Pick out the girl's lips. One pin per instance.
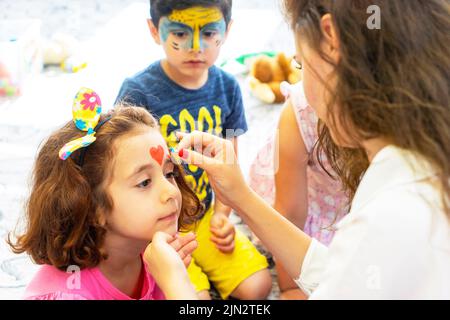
(172, 216)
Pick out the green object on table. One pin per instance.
(241, 59)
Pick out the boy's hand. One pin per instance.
(222, 232)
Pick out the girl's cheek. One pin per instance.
(179, 201)
(180, 198)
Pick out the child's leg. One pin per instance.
(293, 294)
(243, 272)
(203, 295)
(255, 287)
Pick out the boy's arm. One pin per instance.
(220, 207)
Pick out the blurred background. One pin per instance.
(49, 49)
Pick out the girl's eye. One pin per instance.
(144, 184)
(171, 175)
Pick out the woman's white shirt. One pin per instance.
(393, 244)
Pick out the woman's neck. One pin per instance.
(185, 81)
(373, 146)
(123, 268)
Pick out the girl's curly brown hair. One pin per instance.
(64, 221)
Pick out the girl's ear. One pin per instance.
(331, 40)
(154, 31)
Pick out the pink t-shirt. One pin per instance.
(89, 284)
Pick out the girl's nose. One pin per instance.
(169, 191)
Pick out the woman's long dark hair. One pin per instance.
(392, 82)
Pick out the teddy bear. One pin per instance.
(268, 73)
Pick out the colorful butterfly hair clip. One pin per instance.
(86, 110)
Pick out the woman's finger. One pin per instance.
(195, 138)
(208, 146)
(197, 159)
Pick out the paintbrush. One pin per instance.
(174, 157)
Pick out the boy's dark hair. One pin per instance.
(162, 8)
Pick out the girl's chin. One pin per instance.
(172, 230)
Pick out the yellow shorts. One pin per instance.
(225, 271)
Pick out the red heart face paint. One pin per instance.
(157, 154)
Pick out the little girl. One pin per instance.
(289, 176)
(97, 200)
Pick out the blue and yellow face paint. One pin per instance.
(195, 28)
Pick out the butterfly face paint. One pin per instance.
(196, 28)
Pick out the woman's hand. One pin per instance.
(217, 157)
(166, 258)
(222, 232)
